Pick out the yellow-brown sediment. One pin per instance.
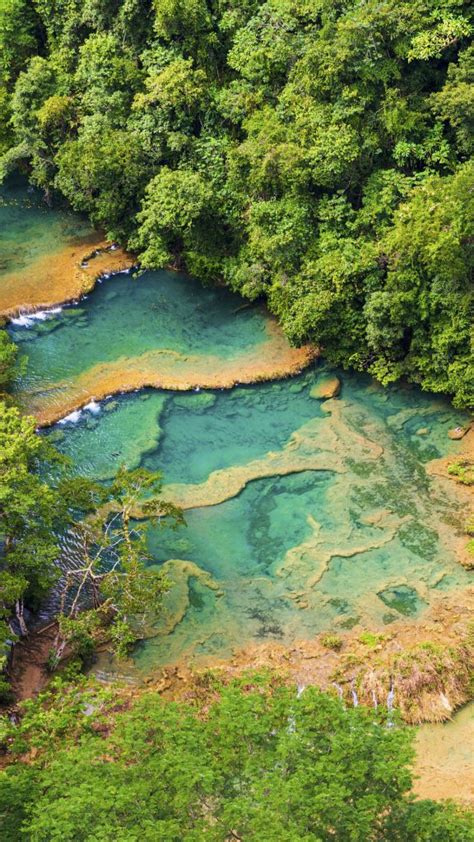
(319, 445)
(166, 369)
(59, 277)
(372, 670)
(444, 765)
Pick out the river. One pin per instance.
(303, 515)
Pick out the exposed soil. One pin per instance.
(27, 671)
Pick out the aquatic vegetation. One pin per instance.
(310, 502)
(332, 641)
(463, 470)
(301, 516)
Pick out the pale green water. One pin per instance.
(259, 546)
(445, 758)
(127, 317)
(29, 229)
(325, 515)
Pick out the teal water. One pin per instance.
(29, 230)
(39, 249)
(288, 556)
(302, 516)
(126, 317)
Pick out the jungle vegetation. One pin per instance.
(247, 761)
(110, 589)
(314, 152)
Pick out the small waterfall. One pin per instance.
(390, 697)
(355, 699)
(93, 407)
(291, 719)
(29, 319)
(72, 418)
(374, 699)
(339, 689)
(70, 558)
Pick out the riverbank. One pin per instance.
(365, 670)
(422, 667)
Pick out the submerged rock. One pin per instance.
(327, 388)
(197, 401)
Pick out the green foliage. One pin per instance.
(332, 641)
(39, 503)
(316, 154)
(463, 470)
(256, 764)
(31, 514)
(18, 30)
(100, 173)
(112, 592)
(371, 639)
(8, 357)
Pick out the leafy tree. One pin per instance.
(454, 101)
(101, 173)
(110, 570)
(18, 38)
(177, 218)
(273, 145)
(30, 514)
(36, 513)
(428, 295)
(257, 763)
(8, 357)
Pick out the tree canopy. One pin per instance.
(315, 153)
(249, 761)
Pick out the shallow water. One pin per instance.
(332, 521)
(32, 236)
(445, 758)
(29, 229)
(301, 515)
(159, 328)
(125, 317)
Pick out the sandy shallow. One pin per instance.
(61, 276)
(165, 369)
(445, 758)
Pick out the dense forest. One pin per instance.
(315, 153)
(247, 761)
